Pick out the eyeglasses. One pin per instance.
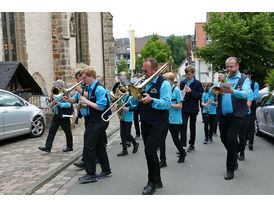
(145, 71)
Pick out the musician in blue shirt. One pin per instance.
(232, 108)
(175, 120)
(61, 108)
(98, 102)
(154, 116)
(252, 117)
(126, 118)
(209, 114)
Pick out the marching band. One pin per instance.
(162, 107)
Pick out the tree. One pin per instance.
(246, 35)
(270, 80)
(122, 66)
(156, 49)
(178, 47)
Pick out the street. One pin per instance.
(201, 174)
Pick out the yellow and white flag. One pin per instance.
(132, 49)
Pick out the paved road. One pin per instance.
(23, 165)
(201, 174)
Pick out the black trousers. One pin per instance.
(229, 130)
(65, 125)
(125, 133)
(210, 122)
(251, 129)
(136, 122)
(243, 134)
(94, 143)
(193, 118)
(153, 136)
(174, 131)
(86, 124)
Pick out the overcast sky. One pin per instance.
(164, 17)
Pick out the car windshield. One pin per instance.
(7, 99)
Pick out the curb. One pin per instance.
(46, 178)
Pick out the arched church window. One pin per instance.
(9, 37)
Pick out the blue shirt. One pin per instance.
(165, 95)
(250, 97)
(100, 94)
(128, 115)
(212, 107)
(83, 111)
(226, 99)
(190, 82)
(175, 115)
(62, 104)
(256, 91)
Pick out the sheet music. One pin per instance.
(226, 84)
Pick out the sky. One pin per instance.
(163, 17)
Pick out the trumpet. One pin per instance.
(135, 91)
(217, 88)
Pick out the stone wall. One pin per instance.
(60, 47)
(108, 49)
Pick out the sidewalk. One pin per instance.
(24, 168)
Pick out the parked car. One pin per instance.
(262, 95)
(18, 117)
(265, 117)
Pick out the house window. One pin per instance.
(9, 39)
(79, 50)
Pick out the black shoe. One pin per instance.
(250, 147)
(135, 148)
(68, 149)
(44, 149)
(87, 179)
(149, 189)
(123, 153)
(182, 157)
(104, 174)
(80, 164)
(190, 148)
(159, 185)
(229, 175)
(242, 156)
(163, 164)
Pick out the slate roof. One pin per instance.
(10, 68)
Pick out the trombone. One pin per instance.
(55, 92)
(135, 91)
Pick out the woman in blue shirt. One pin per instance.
(175, 116)
(126, 118)
(209, 114)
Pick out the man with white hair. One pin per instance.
(61, 109)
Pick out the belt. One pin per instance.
(227, 115)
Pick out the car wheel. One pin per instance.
(37, 127)
(257, 130)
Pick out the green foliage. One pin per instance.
(270, 80)
(156, 49)
(246, 35)
(123, 66)
(178, 46)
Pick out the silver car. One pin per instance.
(265, 117)
(18, 117)
(263, 93)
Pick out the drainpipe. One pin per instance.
(103, 50)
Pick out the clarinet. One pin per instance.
(79, 115)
